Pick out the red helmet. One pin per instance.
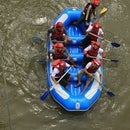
(59, 24)
(96, 2)
(98, 62)
(59, 45)
(96, 25)
(96, 43)
(62, 64)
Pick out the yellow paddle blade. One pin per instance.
(103, 10)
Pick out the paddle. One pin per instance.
(110, 93)
(112, 43)
(104, 10)
(37, 39)
(44, 96)
(112, 60)
(45, 60)
(40, 39)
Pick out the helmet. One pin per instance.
(96, 25)
(98, 62)
(96, 43)
(62, 64)
(59, 24)
(59, 45)
(96, 2)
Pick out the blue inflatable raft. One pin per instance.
(70, 99)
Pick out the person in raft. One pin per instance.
(93, 51)
(88, 12)
(93, 33)
(58, 33)
(90, 69)
(58, 51)
(58, 69)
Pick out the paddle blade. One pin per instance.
(111, 94)
(115, 44)
(36, 39)
(41, 61)
(44, 96)
(103, 10)
(114, 60)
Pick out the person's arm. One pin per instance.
(54, 72)
(66, 53)
(88, 11)
(101, 54)
(68, 65)
(50, 54)
(94, 13)
(86, 50)
(53, 78)
(104, 54)
(86, 72)
(49, 33)
(89, 29)
(66, 37)
(101, 33)
(100, 74)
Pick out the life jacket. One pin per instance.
(57, 54)
(94, 31)
(55, 64)
(86, 8)
(92, 69)
(92, 51)
(56, 34)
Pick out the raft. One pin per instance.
(70, 99)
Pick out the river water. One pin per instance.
(22, 80)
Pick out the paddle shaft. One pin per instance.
(104, 59)
(60, 78)
(112, 43)
(98, 36)
(110, 93)
(101, 13)
(64, 74)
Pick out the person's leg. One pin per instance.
(71, 60)
(79, 78)
(86, 85)
(80, 20)
(64, 83)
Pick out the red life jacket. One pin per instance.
(94, 31)
(57, 54)
(56, 34)
(55, 64)
(92, 69)
(93, 52)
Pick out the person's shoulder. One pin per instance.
(51, 51)
(88, 47)
(55, 69)
(51, 29)
(88, 64)
(100, 49)
(64, 29)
